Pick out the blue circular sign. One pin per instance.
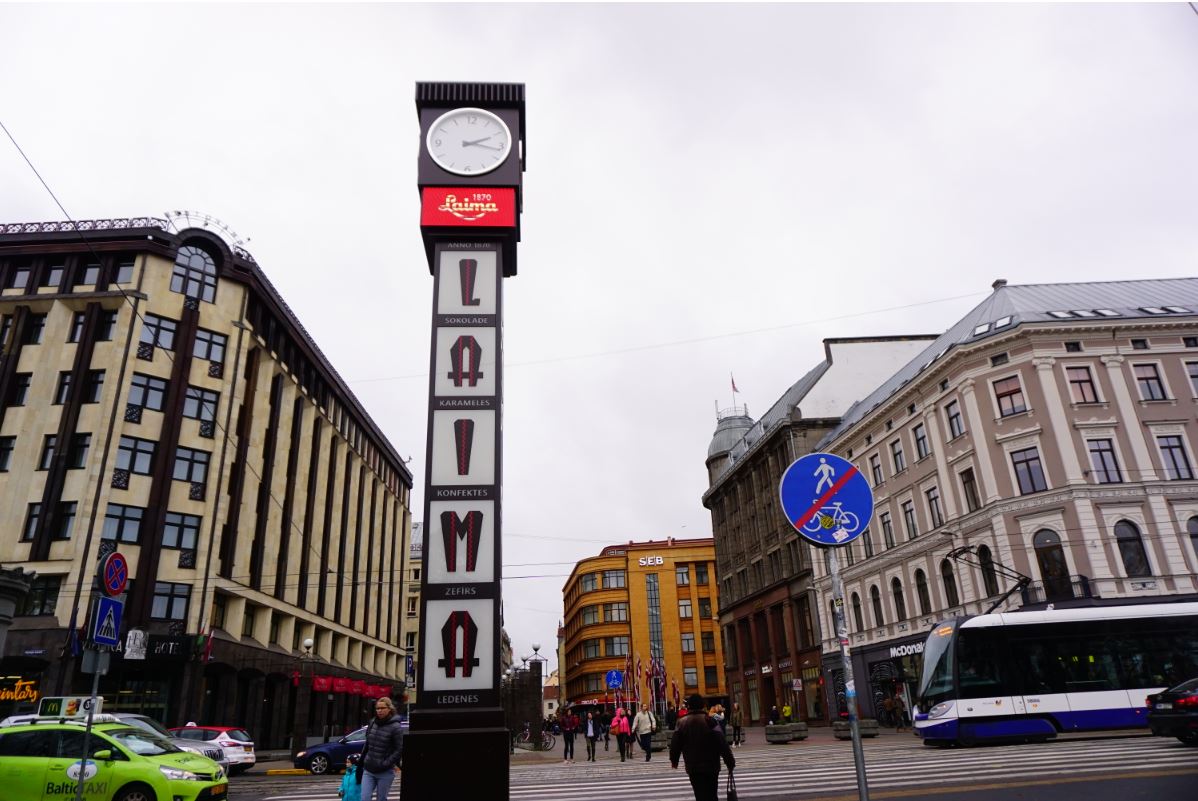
(826, 499)
(614, 679)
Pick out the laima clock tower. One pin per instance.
(470, 168)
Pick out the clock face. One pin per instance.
(468, 141)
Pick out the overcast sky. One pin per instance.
(711, 191)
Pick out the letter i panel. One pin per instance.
(459, 644)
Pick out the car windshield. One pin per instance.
(143, 742)
(239, 734)
(147, 724)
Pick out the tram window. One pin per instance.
(982, 664)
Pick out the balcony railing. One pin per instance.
(1066, 588)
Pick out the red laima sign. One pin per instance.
(466, 207)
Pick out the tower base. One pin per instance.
(456, 764)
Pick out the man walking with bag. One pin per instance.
(643, 726)
(702, 748)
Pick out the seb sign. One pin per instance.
(468, 207)
(646, 561)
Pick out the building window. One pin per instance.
(1192, 529)
(887, 529)
(690, 676)
(613, 579)
(7, 444)
(1029, 474)
(35, 327)
(701, 573)
(857, 616)
(688, 642)
(32, 515)
(147, 392)
(707, 638)
(410, 641)
(93, 386)
(590, 649)
(1073, 347)
(1131, 549)
(190, 465)
(909, 520)
(43, 596)
(1103, 461)
(711, 678)
(107, 326)
(590, 615)
(867, 540)
(921, 592)
(950, 583)
(88, 274)
(900, 603)
(1148, 379)
(210, 346)
(1192, 372)
(180, 531)
(999, 359)
(618, 646)
(1009, 395)
(989, 577)
(969, 488)
(934, 513)
(124, 271)
(123, 523)
(615, 612)
(135, 455)
(76, 332)
(159, 332)
(18, 278)
(77, 451)
(20, 388)
(1081, 385)
(63, 390)
(593, 683)
(956, 425)
(684, 609)
(589, 582)
(170, 601)
(875, 469)
(412, 607)
(922, 450)
(66, 519)
(682, 575)
(1173, 455)
(194, 274)
(48, 445)
(875, 601)
(705, 609)
(1139, 344)
(200, 404)
(896, 454)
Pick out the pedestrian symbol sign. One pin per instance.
(826, 499)
(106, 623)
(614, 680)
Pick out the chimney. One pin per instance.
(999, 283)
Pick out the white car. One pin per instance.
(237, 743)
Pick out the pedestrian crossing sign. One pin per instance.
(106, 623)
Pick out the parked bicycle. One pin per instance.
(524, 740)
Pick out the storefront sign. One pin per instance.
(461, 206)
(357, 688)
(135, 644)
(785, 663)
(175, 649)
(340, 684)
(646, 561)
(906, 650)
(20, 691)
(71, 706)
(766, 670)
(321, 684)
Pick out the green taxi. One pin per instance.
(42, 761)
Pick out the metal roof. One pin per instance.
(1011, 306)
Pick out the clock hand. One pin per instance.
(475, 142)
(487, 147)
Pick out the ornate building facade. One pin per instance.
(158, 397)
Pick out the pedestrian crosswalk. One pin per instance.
(799, 770)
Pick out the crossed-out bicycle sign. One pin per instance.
(826, 499)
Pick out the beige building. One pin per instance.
(159, 398)
(410, 628)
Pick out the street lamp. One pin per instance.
(303, 698)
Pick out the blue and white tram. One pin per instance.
(1030, 675)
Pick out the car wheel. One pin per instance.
(319, 764)
(135, 792)
(1189, 739)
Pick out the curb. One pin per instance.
(287, 772)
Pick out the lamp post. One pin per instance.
(536, 704)
(303, 699)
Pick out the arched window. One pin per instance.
(989, 578)
(1054, 570)
(1131, 548)
(195, 274)
(950, 583)
(1192, 527)
(921, 590)
(900, 603)
(857, 612)
(875, 600)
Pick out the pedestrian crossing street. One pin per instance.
(799, 770)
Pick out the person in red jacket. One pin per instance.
(569, 724)
(619, 724)
(702, 747)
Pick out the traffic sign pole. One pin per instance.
(850, 687)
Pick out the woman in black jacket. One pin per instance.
(383, 752)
